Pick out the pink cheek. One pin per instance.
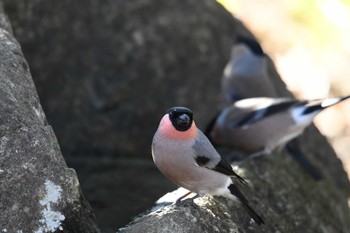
(168, 130)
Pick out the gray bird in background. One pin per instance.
(259, 125)
(246, 73)
(185, 155)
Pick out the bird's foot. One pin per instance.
(186, 202)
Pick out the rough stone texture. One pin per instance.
(106, 71)
(288, 199)
(39, 193)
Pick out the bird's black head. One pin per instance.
(181, 118)
(252, 44)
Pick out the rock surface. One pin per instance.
(106, 71)
(39, 193)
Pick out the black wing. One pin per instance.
(224, 167)
(208, 157)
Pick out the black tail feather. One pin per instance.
(312, 109)
(318, 105)
(244, 203)
(344, 98)
(253, 214)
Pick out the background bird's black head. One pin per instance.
(181, 118)
(252, 44)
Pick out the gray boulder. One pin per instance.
(106, 71)
(39, 193)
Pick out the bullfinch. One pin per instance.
(185, 155)
(246, 73)
(259, 125)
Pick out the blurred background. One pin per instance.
(107, 71)
(309, 42)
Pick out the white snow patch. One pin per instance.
(51, 220)
(4, 230)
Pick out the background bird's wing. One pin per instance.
(206, 156)
(257, 115)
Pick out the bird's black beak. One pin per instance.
(183, 120)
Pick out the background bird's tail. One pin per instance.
(318, 105)
(244, 203)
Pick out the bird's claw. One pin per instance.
(186, 202)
